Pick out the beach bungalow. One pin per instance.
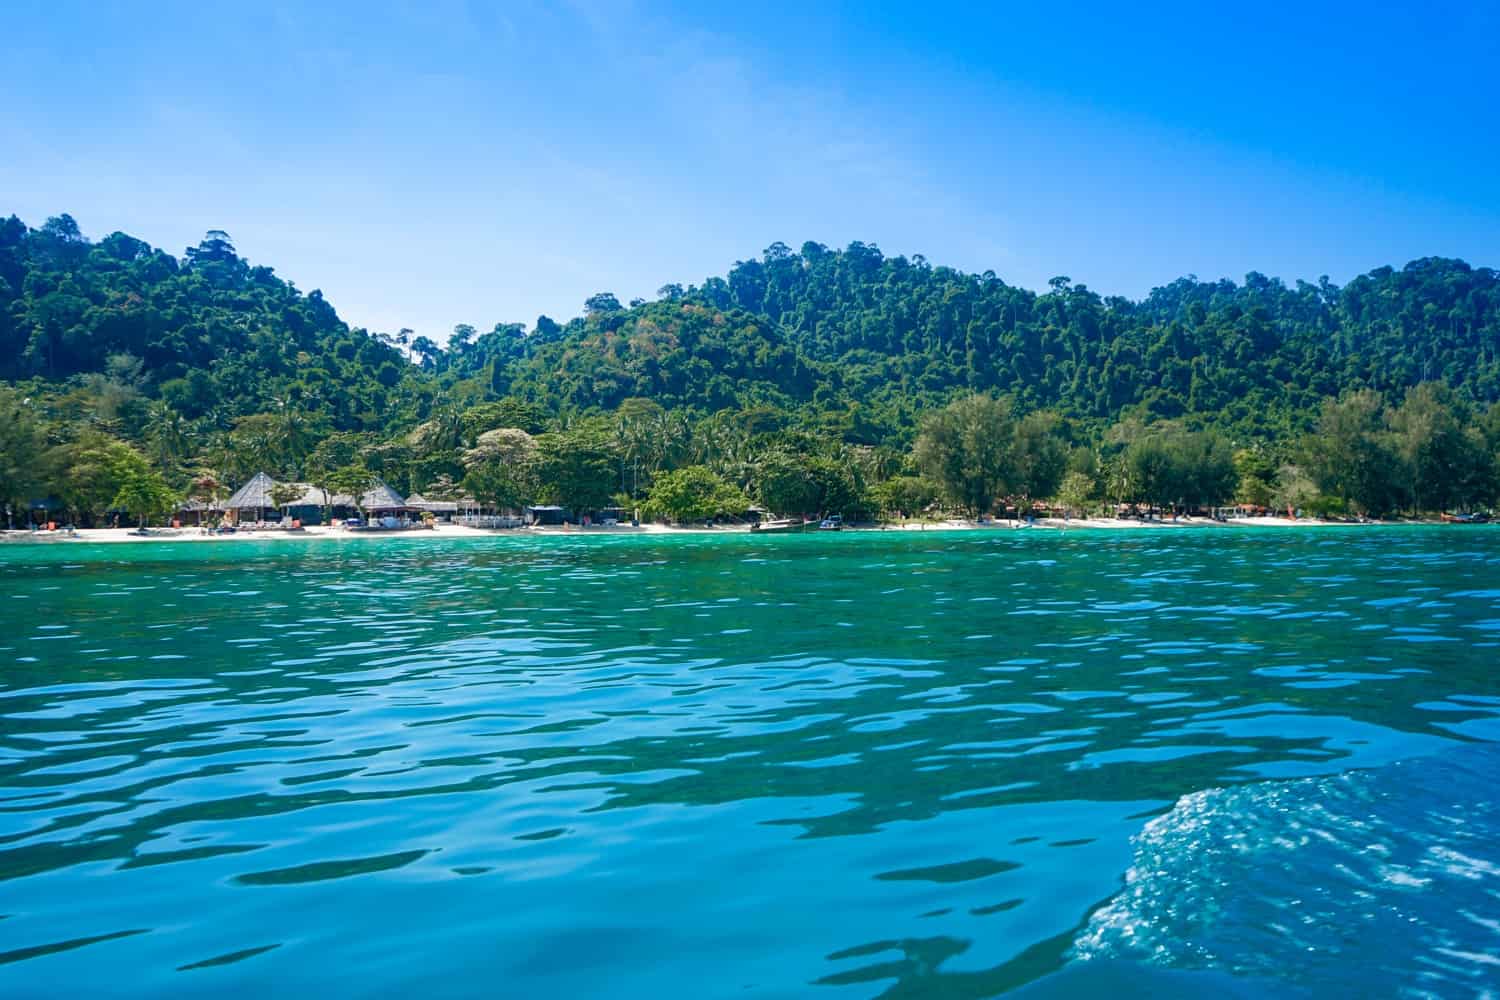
(308, 508)
(380, 501)
(251, 502)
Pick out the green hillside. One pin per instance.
(207, 364)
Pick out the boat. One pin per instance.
(1476, 518)
(834, 523)
(780, 525)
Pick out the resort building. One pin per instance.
(381, 502)
(252, 503)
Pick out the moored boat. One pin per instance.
(780, 525)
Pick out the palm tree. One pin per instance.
(168, 436)
(293, 436)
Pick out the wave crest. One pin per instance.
(1385, 880)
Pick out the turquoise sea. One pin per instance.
(1156, 763)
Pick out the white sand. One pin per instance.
(324, 532)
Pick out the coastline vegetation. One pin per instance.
(815, 381)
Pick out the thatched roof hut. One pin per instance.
(380, 497)
(254, 495)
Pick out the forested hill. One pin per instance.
(209, 335)
(895, 335)
(873, 340)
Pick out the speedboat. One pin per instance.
(785, 524)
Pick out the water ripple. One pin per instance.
(886, 764)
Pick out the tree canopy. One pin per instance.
(807, 379)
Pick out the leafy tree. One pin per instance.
(1039, 456)
(1077, 493)
(966, 449)
(283, 495)
(96, 467)
(791, 483)
(23, 472)
(694, 494)
(576, 468)
(1353, 456)
(144, 493)
(502, 468)
(207, 490)
(1295, 489)
(603, 302)
(353, 481)
(168, 437)
(904, 495)
(785, 486)
(1181, 469)
(1448, 464)
(1257, 475)
(331, 454)
(508, 412)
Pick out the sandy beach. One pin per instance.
(328, 533)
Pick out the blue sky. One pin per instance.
(434, 163)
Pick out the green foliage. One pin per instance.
(1257, 475)
(145, 494)
(353, 480)
(502, 468)
(94, 468)
(283, 495)
(578, 468)
(801, 377)
(694, 494)
(966, 449)
(903, 496)
(792, 483)
(212, 336)
(1447, 464)
(1039, 456)
(1353, 456)
(1077, 493)
(1181, 469)
(22, 452)
(1295, 490)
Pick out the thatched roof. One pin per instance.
(311, 496)
(256, 493)
(381, 497)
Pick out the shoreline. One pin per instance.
(448, 531)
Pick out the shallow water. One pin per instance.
(925, 764)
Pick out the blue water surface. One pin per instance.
(938, 764)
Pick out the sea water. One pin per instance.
(938, 764)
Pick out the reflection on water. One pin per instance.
(888, 765)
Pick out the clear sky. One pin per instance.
(431, 163)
